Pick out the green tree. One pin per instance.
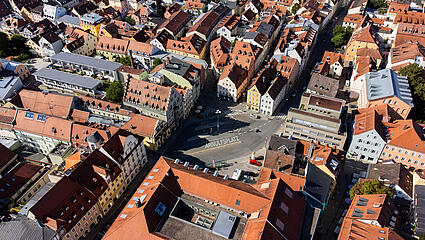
(415, 76)
(341, 35)
(156, 62)
(17, 43)
(338, 40)
(115, 92)
(372, 186)
(125, 60)
(4, 44)
(422, 237)
(295, 8)
(130, 20)
(375, 4)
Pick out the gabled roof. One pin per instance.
(323, 85)
(235, 73)
(407, 51)
(43, 125)
(140, 47)
(392, 173)
(17, 178)
(366, 34)
(206, 24)
(176, 21)
(169, 180)
(356, 229)
(112, 45)
(333, 57)
(193, 44)
(148, 94)
(230, 22)
(276, 86)
(219, 51)
(52, 104)
(142, 125)
(407, 134)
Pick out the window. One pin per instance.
(280, 224)
(289, 193)
(402, 159)
(410, 160)
(416, 162)
(238, 202)
(390, 155)
(413, 154)
(284, 207)
(384, 154)
(392, 149)
(386, 147)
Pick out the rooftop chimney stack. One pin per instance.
(186, 164)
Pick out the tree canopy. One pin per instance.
(372, 186)
(156, 62)
(115, 92)
(130, 20)
(295, 8)
(414, 74)
(125, 60)
(375, 4)
(341, 35)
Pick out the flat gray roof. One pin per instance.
(68, 19)
(73, 79)
(86, 61)
(224, 224)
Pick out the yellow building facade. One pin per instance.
(351, 51)
(114, 191)
(253, 99)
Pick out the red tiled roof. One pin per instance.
(52, 127)
(141, 125)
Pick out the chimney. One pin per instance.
(226, 177)
(177, 161)
(206, 170)
(186, 164)
(216, 173)
(195, 167)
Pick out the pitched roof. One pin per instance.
(406, 51)
(176, 21)
(366, 34)
(112, 45)
(323, 85)
(140, 47)
(356, 229)
(169, 180)
(368, 121)
(219, 51)
(229, 22)
(6, 156)
(374, 53)
(235, 73)
(16, 179)
(52, 104)
(43, 125)
(333, 57)
(193, 44)
(334, 104)
(119, 145)
(148, 94)
(276, 86)
(91, 102)
(142, 125)
(407, 134)
(7, 117)
(392, 173)
(80, 134)
(407, 32)
(206, 24)
(57, 207)
(23, 228)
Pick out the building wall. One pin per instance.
(402, 108)
(227, 88)
(113, 192)
(253, 99)
(366, 147)
(51, 83)
(404, 156)
(94, 29)
(87, 222)
(36, 142)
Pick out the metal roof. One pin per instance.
(23, 228)
(73, 79)
(86, 61)
(224, 224)
(68, 19)
(386, 83)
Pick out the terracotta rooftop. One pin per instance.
(229, 22)
(42, 125)
(7, 117)
(407, 134)
(80, 133)
(219, 51)
(17, 178)
(357, 230)
(353, 18)
(235, 73)
(366, 34)
(142, 125)
(91, 102)
(52, 104)
(169, 180)
(407, 32)
(323, 85)
(407, 51)
(176, 21)
(399, 8)
(148, 94)
(206, 24)
(193, 44)
(374, 207)
(334, 104)
(115, 45)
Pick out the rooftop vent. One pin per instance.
(177, 161)
(206, 170)
(226, 177)
(216, 173)
(195, 167)
(186, 164)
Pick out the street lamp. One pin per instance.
(218, 112)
